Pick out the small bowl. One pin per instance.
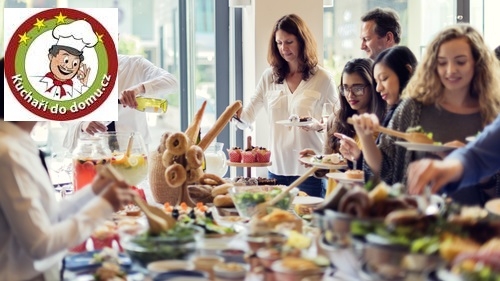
(232, 255)
(184, 275)
(169, 265)
(232, 271)
(271, 239)
(283, 273)
(267, 256)
(207, 263)
(246, 198)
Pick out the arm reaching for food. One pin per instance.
(467, 165)
(365, 126)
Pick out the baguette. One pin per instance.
(220, 124)
(194, 127)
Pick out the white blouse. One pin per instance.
(35, 229)
(280, 103)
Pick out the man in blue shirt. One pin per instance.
(463, 167)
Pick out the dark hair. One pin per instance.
(308, 59)
(2, 66)
(386, 20)
(497, 52)
(338, 122)
(397, 58)
(54, 50)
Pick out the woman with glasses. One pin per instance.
(392, 70)
(294, 84)
(454, 93)
(357, 96)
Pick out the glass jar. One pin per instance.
(129, 155)
(89, 153)
(215, 159)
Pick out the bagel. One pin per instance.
(193, 175)
(211, 179)
(356, 203)
(175, 175)
(177, 143)
(194, 157)
(167, 159)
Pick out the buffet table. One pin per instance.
(346, 265)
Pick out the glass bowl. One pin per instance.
(178, 243)
(246, 198)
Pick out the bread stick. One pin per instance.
(219, 124)
(194, 127)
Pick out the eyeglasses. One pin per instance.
(357, 90)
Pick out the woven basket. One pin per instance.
(159, 189)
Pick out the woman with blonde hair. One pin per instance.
(454, 93)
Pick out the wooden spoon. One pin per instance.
(262, 207)
(413, 137)
(158, 220)
(157, 224)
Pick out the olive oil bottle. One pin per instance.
(154, 105)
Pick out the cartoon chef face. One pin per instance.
(64, 62)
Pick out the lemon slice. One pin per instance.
(119, 159)
(133, 160)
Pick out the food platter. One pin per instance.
(341, 177)
(424, 147)
(471, 138)
(309, 160)
(294, 124)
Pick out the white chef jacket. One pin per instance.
(132, 71)
(280, 103)
(35, 229)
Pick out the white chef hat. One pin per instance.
(78, 35)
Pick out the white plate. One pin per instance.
(424, 147)
(307, 200)
(294, 124)
(309, 160)
(471, 138)
(342, 177)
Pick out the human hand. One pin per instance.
(437, 173)
(128, 96)
(306, 152)
(83, 74)
(93, 127)
(315, 126)
(348, 147)
(365, 124)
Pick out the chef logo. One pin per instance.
(61, 64)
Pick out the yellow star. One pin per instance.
(39, 24)
(23, 38)
(60, 18)
(99, 37)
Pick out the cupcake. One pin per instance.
(234, 154)
(248, 156)
(263, 155)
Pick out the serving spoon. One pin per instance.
(261, 208)
(158, 220)
(412, 137)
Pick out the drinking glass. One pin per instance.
(61, 166)
(327, 111)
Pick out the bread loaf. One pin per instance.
(194, 127)
(201, 193)
(219, 124)
(221, 189)
(223, 201)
